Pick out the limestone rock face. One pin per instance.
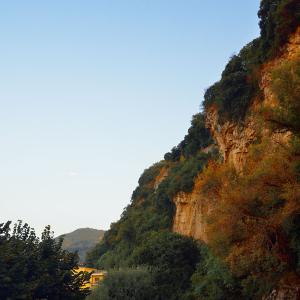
(163, 173)
(191, 214)
(233, 140)
(284, 293)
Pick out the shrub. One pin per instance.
(232, 95)
(172, 260)
(291, 227)
(198, 137)
(213, 280)
(278, 20)
(124, 284)
(150, 210)
(286, 86)
(182, 174)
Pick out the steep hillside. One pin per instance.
(81, 240)
(232, 184)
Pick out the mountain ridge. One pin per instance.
(81, 240)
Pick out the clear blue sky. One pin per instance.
(93, 92)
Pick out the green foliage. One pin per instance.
(213, 280)
(278, 19)
(249, 253)
(146, 180)
(172, 260)
(181, 175)
(32, 268)
(291, 227)
(125, 284)
(198, 137)
(251, 54)
(168, 261)
(149, 174)
(234, 92)
(145, 213)
(261, 243)
(151, 210)
(286, 86)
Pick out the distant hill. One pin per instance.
(81, 240)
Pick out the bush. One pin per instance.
(232, 95)
(124, 284)
(291, 227)
(149, 174)
(286, 86)
(181, 175)
(278, 20)
(198, 137)
(213, 280)
(171, 258)
(150, 210)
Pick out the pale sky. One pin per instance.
(93, 92)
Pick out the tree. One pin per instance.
(285, 85)
(278, 20)
(198, 137)
(213, 279)
(125, 284)
(33, 268)
(233, 94)
(172, 259)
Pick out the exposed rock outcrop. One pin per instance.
(284, 293)
(233, 140)
(163, 173)
(190, 215)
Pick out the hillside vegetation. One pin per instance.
(252, 225)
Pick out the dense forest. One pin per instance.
(253, 238)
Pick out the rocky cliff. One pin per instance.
(232, 183)
(233, 140)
